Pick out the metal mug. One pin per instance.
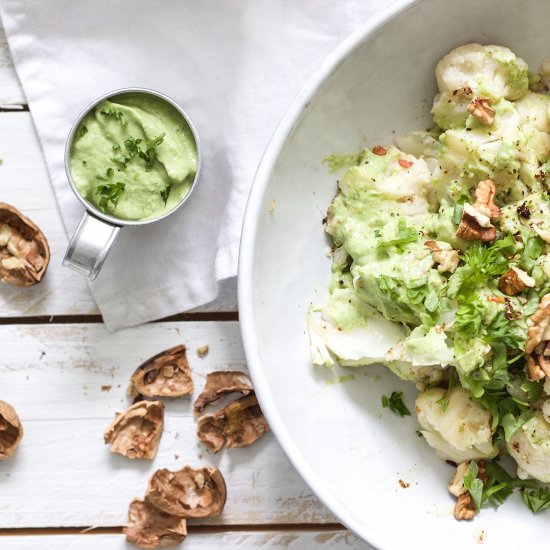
(97, 232)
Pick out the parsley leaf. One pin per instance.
(534, 247)
(443, 403)
(109, 110)
(538, 499)
(83, 130)
(405, 235)
(109, 192)
(395, 403)
(474, 485)
(165, 193)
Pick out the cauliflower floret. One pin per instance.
(530, 448)
(460, 431)
(422, 356)
(355, 347)
(489, 71)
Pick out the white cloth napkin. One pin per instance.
(233, 65)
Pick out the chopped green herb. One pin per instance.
(110, 172)
(83, 130)
(405, 235)
(377, 233)
(110, 192)
(538, 499)
(116, 146)
(108, 110)
(165, 193)
(473, 484)
(443, 403)
(395, 403)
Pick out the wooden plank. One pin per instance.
(11, 92)
(63, 474)
(26, 185)
(243, 540)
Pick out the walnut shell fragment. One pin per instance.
(11, 430)
(24, 250)
(222, 383)
(136, 433)
(148, 527)
(239, 424)
(188, 493)
(166, 374)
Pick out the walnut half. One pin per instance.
(475, 226)
(11, 430)
(538, 337)
(485, 199)
(514, 281)
(24, 250)
(136, 433)
(465, 507)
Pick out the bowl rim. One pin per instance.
(254, 209)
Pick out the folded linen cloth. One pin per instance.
(233, 65)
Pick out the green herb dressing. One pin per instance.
(134, 157)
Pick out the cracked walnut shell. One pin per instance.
(188, 493)
(166, 374)
(11, 430)
(239, 424)
(221, 383)
(148, 527)
(136, 433)
(24, 250)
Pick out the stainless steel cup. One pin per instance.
(97, 232)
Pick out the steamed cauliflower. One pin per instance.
(459, 430)
(530, 448)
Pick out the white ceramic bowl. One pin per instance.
(349, 450)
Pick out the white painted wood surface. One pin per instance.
(242, 540)
(63, 475)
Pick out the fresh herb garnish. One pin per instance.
(109, 110)
(538, 499)
(165, 193)
(116, 146)
(149, 154)
(443, 403)
(534, 247)
(405, 235)
(109, 192)
(473, 484)
(395, 403)
(83, 130)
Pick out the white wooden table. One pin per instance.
(66, 376)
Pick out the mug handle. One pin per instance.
(90, 245)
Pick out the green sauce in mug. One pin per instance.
(134, 157)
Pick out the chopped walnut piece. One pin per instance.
(167, 374)
(475, 226)
(136, 433)
(456, 485)
(514, 281)
(202, 351)
(485, 196)
(379, 150)
(447, 259)
(482, 110)
(24, 250)
(239, 424)
(11, 430)
(188, 493)
(222, 383)
(465, 507)
(538, 336)
(148, 527)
